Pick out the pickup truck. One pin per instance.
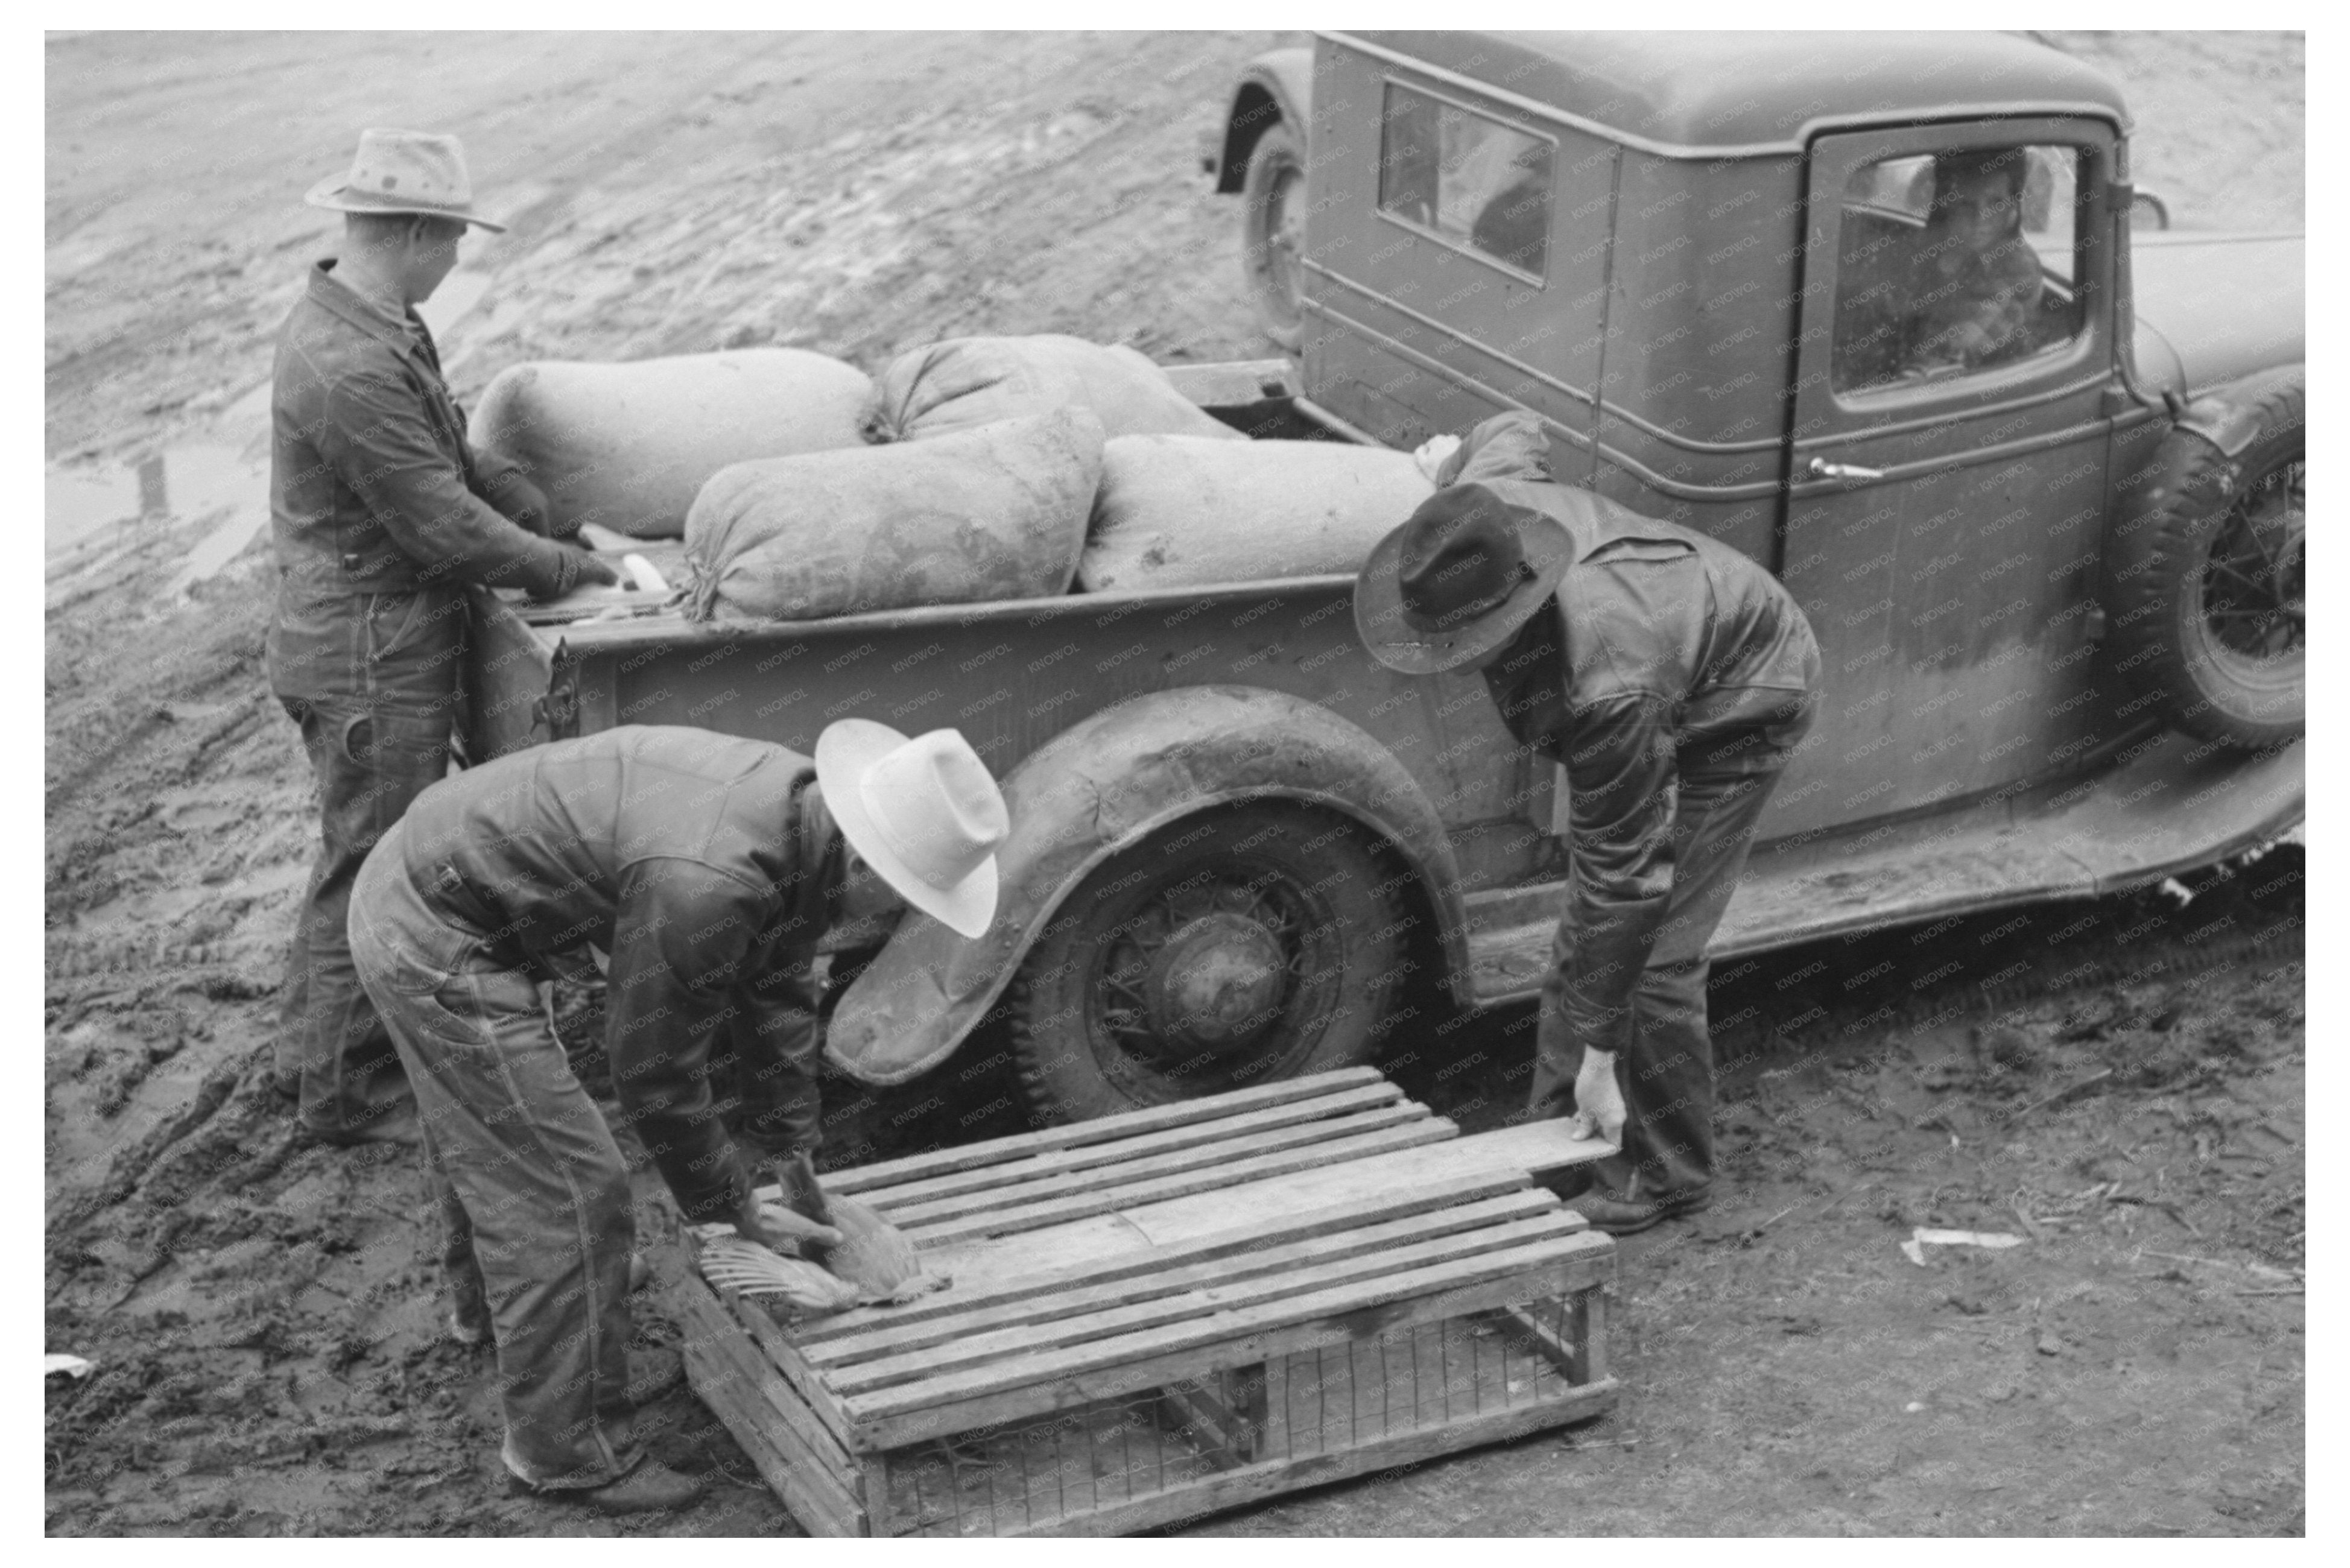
(2056, 571)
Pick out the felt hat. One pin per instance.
(923, 812)
(399, 171)
(1457, 580)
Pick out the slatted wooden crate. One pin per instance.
(1161, 1314)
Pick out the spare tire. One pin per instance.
(2204, 581)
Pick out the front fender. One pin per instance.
(2228, 417)
(1277, 86)
(1101, 786)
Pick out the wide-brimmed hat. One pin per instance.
(401, 172)
(1457, 580)
(924, 812)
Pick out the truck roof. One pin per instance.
(1707, 94)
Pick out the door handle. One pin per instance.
(1821, 468)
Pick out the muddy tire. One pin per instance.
(1250, 945)
(2205, 585)
(1273, 233)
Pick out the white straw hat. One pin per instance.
(924, 812)
(404, 171)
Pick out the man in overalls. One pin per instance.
(381, 517)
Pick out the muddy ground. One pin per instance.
(260, 1314)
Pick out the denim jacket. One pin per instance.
(376, 509)
(702, 863)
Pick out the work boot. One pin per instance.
(1620, 1213)
(651, 1486)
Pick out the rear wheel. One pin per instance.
(1254, 944)
(1272, 233)
(2208, 604)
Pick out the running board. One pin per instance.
(2174, 803)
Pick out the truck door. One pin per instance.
(1948, 459)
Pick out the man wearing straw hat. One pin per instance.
(1672, 678)
(707, 867)
(381, 516)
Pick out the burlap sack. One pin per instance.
(629, 445)
(995, 513)
(968, 381)
(1175, 511)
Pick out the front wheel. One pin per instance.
(2209, 603)
(1259, 942)
(1272, 233)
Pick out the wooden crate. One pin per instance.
(1161, 1314)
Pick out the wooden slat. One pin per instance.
(830, 1432)
(933, 1362)
(1211, 1427)
(901, 1339)
(1233, 1488)
(1032, 1385)
(721, 1388)
(1281, 1329)
(1221, 1154)
(1102, 1129)
(776, 1349)
(1077, 1206)
(1280, 1227)
(1008, 1179)
(1521, 1323)
(818, 1482)
(1590, 1310)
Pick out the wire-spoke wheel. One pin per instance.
(2207, 587)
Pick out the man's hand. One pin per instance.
(594, 571)
(1599, 1109)
(780, 1230)
(1430, 454)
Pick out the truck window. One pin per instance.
(1954, 262)
(1466, 177)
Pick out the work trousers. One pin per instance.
(370, 762)
(1667, 1072)
(533, 1193)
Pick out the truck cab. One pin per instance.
(1744, 282)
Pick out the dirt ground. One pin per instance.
(260, 1314)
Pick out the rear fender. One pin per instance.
(1102, 787)
(1274, 86)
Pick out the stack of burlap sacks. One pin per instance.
(974, 469)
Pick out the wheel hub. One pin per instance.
(1216, 984)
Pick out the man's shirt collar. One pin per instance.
(404, 333)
